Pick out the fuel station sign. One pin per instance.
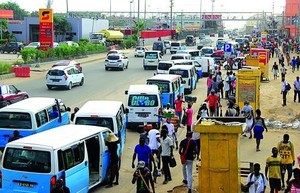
(46, 28)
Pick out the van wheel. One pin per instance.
(49, 87)
(106, 69)
(127, 65)
(123, 66)
(81, 82)
(14, 51)
(70, 86)
(145, 68)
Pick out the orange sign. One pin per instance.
(6, 14)
(46, 15)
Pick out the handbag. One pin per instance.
(172, 162)
(182, 156)
(184, 119)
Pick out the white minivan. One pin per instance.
(163, 66)
(175, 46)
(143, 105)
(188, 74)
(208, 65)
(151, 59)
(181, 56)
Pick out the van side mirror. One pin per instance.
(126, 92)
(126, 110)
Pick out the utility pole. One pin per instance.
(67, 6)
(145, 9)
(171, 7)
(138, 26)
(200, 15)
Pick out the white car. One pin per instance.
(69, 43)
(140, 51)
(64, 76)
(207, 51)
(117, 61)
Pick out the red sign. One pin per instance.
(46, 29)
(211, 17)
(6, 14)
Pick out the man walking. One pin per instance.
(284, 91)
(144, 153)
(189, 117)
(153, 136)
(178, 108)
(275, 70)
(273, 167)
(287, 154)
(166, 154)
(188, 148)
(297, 89)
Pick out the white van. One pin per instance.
(181, 56)
(163, 66)
(175, 46)
(208, 65)
(195, 54)
(188, 74)
(110, 114)
(143, 105)
(75, 153)
(151, 59)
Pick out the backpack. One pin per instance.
(287, 87)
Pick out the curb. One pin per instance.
(7, 76)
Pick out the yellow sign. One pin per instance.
(262, 56)
(46, 15)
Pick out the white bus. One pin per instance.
(75, 153)
(143, 105)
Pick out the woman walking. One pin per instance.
(258, 128)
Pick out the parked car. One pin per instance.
(10, 94)
(140, 51)
(13, 47)
(64, 76)
(33, 45)
(117, 61)
(218, 55)
(66, 63)
(69, 43)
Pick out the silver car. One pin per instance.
(116, 61)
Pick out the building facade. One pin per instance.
(291, 18)
(28, 29)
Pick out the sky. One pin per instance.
(157, 5)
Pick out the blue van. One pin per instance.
(170, 85)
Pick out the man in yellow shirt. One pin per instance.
(273, 165)
(287, 154)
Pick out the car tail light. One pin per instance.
(52, 182)
(66, 76)
(106, 60)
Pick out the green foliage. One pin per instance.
(30, 55)
(2, 41)
(61, 27)
(130, 42)
(18, 63)
(83, 41)
(5, 68)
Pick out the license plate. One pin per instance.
(25, 184)
(143, 115)
(55, 80)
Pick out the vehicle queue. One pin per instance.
(21, 184)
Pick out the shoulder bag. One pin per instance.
(182, 157)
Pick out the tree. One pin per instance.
(61, 28)
(19, 13)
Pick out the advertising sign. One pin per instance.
(6, 14)
(264, 37)
(46, 28)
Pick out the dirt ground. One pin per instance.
(271, 107)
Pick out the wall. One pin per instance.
(90, 25)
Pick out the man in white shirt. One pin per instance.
(154, 144)
(256, 181)
(171, 129)
(297, 89)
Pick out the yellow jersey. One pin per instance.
(286, 152)
(273, 163)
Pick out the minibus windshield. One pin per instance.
(151, 55)
(162, 86)
(13, 120)
(183, 73)
(143, 100)
(27, 160)
(96, 121)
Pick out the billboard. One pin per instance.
(46, 28)
(6, 14)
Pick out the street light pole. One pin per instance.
(145, 9)
(200, 14)
(109, 9)
(172, 4)
(138, 26)
(67, 6)
(212, 12)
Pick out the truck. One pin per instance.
(107, 37)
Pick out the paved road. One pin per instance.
(105, 85)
